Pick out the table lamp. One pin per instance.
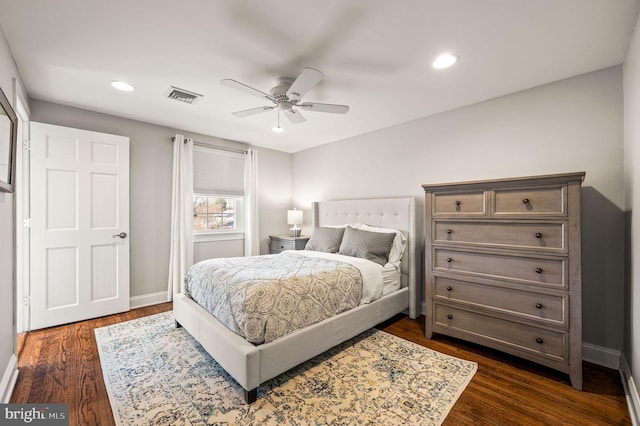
(294, 217)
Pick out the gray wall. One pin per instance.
(151, 154)
(571, 125)
(632, 199)
(8, 71)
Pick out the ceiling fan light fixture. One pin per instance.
(444, 61)
(122, 85)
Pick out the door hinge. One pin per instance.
(26, 145)
(26, 301)
(27, 223)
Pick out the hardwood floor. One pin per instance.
(61, 365)
(508, 390)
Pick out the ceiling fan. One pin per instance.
(286, 95)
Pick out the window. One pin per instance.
(218, 188)
(217, 213)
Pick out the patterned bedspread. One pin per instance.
(265, 297)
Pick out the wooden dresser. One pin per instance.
(502, 266)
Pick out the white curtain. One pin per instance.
(181, 253)
(251, 235)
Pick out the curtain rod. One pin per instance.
(208, 145)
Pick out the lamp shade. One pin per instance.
(294, 217)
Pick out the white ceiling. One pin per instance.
(375, 55)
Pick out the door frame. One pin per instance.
(22, 212)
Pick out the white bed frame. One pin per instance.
(251, 365)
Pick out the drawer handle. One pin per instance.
(449, 288)
(538, 270)
(448, 231)
(525, 201)
(539, 340)
(450, 316)
(539, 305)
(449, 259)
(457, 202)
(538, 235)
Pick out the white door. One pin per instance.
(79, 224)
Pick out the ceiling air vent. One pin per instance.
(182, 95)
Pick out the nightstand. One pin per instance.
(285, 242)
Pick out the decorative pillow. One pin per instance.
(325, 239)
(399, 242)
(374, 246)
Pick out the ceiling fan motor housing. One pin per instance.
(279, 93)
(281, 87)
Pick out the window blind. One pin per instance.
(217, 172)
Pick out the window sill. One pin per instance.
(218, 236)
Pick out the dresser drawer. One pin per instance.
(530, 201)
(503, 334)
(282, 243)
(278, 245)
(469, 203)
(543, 307)
(529, 270)
(547, 236)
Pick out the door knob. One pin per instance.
(120, 235)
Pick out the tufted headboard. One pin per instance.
(396, 213)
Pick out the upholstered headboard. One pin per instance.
(396, 213)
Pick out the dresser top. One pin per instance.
(515, 181)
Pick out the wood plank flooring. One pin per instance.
(61, 365)
(508, 390)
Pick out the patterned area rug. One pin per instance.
(159, 375)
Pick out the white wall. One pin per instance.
(567, 126)
(151, 162)
(632, 204)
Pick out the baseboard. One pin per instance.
(9, 379)
(630, 391)
(147, 299)
(599, 355)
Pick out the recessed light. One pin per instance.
(122, 85)
(277, 129)
(445, 61)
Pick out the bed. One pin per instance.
(250, 364)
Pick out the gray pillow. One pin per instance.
(325, 239)
(374, 246)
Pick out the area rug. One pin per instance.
(159, 375)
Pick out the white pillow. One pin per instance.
(353, 225)
(397, 247)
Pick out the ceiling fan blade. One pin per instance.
(308, 78)
(252, 111)
(318, 107)
(248, 89)
(294, 116)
